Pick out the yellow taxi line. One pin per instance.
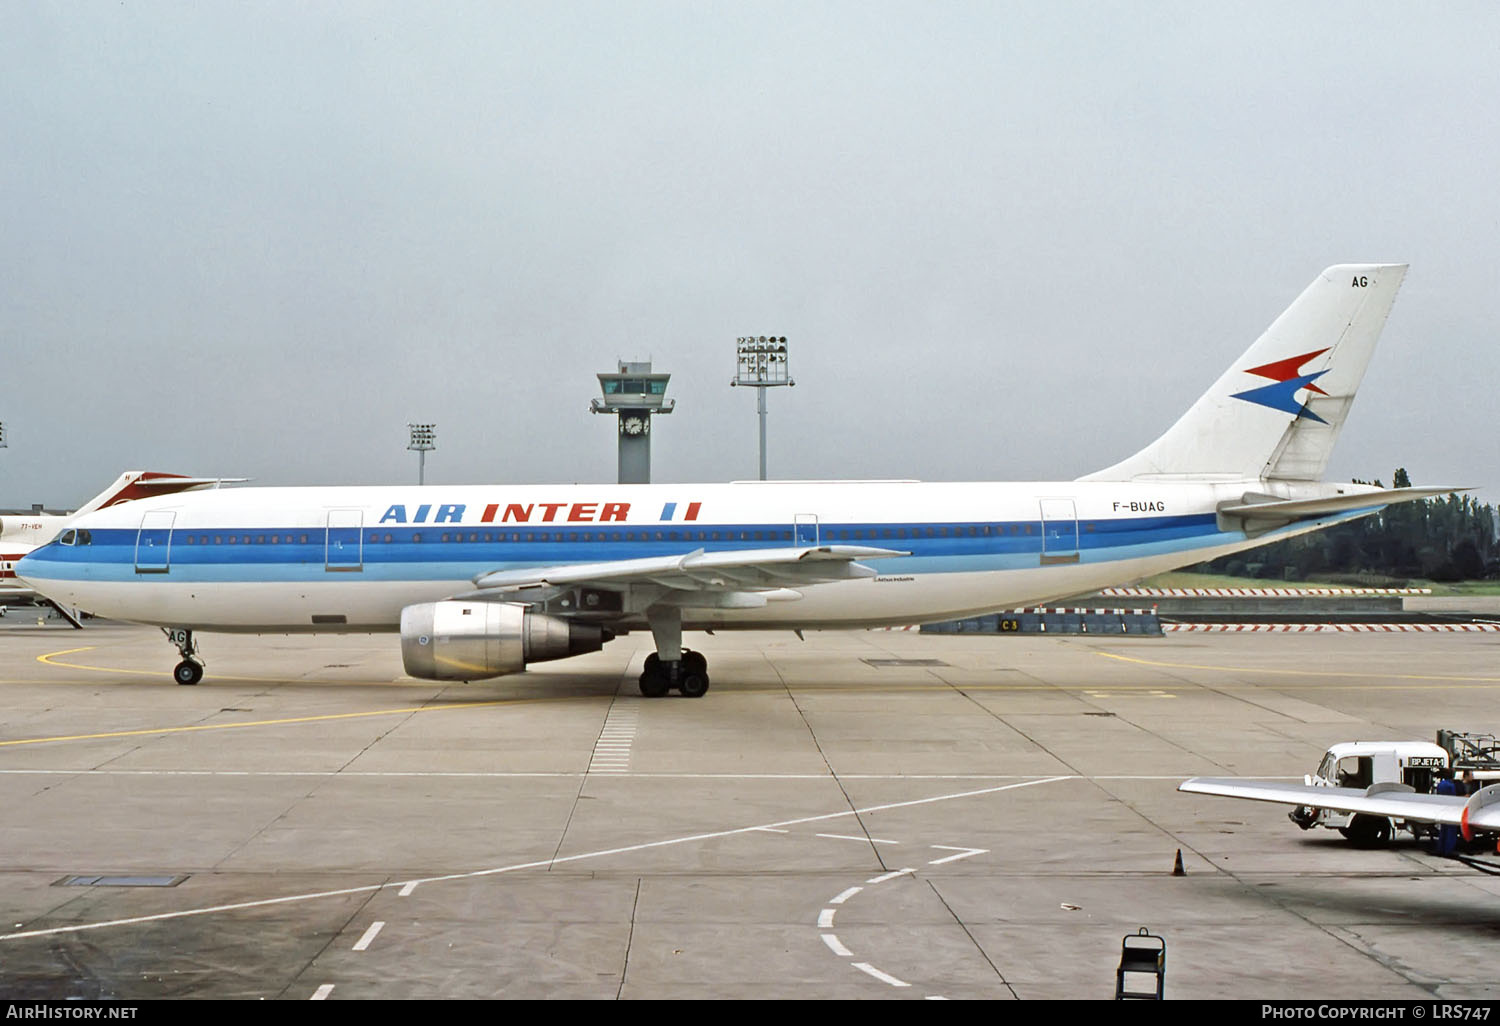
(1452, 679)
(265, 723)
(50, 658)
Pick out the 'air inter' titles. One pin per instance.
(530, 512)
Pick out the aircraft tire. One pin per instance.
(693, 684)
(1368, 831)
(653, 685)
(188, 672)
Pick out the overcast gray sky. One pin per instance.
(1005, 240)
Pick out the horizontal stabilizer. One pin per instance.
(169, 483)
(1284, 510)
(137, 484)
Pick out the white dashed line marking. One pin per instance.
(866, 967)
(827, 914)
(834, 946)
(364, 942)
(963, 853)
(612, 750)
(549, 863)
(405, 892)
(322, 992)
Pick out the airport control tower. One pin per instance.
(633, 394)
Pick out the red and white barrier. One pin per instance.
(1084, 612)
(1310, 628)
(1256, 592)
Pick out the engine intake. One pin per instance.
(456, 640)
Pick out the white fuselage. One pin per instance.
(350, 559)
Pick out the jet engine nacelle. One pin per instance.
(457, 640)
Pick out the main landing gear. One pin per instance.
(190, 670)
(688, 675)
(671, 665)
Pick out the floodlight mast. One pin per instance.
(761, 364)
(423, 441)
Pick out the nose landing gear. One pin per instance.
(190, 670)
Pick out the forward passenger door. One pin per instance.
(153, 542)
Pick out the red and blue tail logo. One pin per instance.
(1281, 394)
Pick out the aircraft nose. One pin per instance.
(25, 566)
(32, 567)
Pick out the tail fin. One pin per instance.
(1277, 411)
(136, 484)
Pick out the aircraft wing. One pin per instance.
(1479, 811)
(1298, 509)
(745, 570)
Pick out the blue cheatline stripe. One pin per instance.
(429, 552)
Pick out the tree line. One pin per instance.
(1445, 538)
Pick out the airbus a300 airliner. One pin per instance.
(481, 580)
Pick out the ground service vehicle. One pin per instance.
(1365, 764)
(1386, 766)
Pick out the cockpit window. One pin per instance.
(68, 537)
(84, 537)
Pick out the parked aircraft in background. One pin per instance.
(1374, 808)
(481, 580)
(20, 533)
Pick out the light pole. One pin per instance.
(761, 364)
(423, 441)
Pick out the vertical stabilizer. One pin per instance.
(137, 484)
(1278, 410)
